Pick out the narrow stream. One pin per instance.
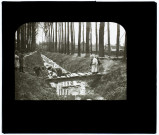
(70, 90)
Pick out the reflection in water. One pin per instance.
(74, 89)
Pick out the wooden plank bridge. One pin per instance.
(74, 76)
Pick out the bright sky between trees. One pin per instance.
(113, 33)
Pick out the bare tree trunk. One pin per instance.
(30, 37)
(53, 37)
(87, 38)
(91, 38)
(101, 40)
(62, 39)
(117, 42)
(25, 40)
(79, 40)
(15, 40)
(56, 39)
(18, 39)
(49, 37)
(96, 40)
(72, 48)
(125, 47)
(68, 51)
(65, 38)
(59, 30)
(83, 37)
(27, 37)
(22, 38)
(74, 44)
(33, 36)
(109, 51)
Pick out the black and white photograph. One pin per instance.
(70, 61)
(79, 67)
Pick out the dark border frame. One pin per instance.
(135, 115)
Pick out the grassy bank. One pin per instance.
(30, 87)
(111, 86)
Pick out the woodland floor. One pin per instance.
(111, 86)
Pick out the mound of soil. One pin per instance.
(31, 61)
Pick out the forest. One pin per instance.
(60, 37)
(68, 47)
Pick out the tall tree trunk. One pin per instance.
(83, 37)
(91, 38)
(101, 40)
(79, 40)
(125, 47)
(15, 41)
(68, 51)
(65, 39)
(87, 37)
(109, 49)
(96, 40)
(53, 37)
(117, 41)
(72, 48)
(33, 36)
(22, 39)
(56, 39)
(59, 30)
(27, 37)
(18, 39)
(25, 40)
(49, 38)
(30, 37)
(74, 44)
(62, 40)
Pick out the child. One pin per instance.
(16, 61)
(94, 65)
